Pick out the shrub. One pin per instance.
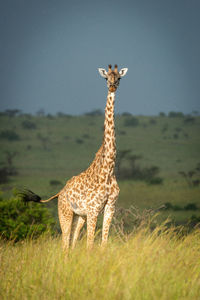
(11, 169)
(168, 205)
(175, 136)
(192, 176)
(156, 180)
(173, 114)
(126, 114)
(122, 132)
(12, 112)
(4, 175)
(79, 141)
(162, 114)
(189, 120)
(152, 121)
(131, 121)
(134, 171)
(94, 113)
(190, 206)
(194, 220)
(178, 129)
(55, 182)
(9, 135)
(164, 128)
(86, 136)
(26, 124)
(19, 220)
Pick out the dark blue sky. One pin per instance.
(50, 51)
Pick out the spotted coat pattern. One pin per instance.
(94, 190)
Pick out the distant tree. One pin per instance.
(40, 113)
(164, 128)
(60, 114)
(94, 113)
(44, 141)
(195, 112)
(126, 114)
(162, 114)
(120, 157)
(192, 177)
(50, 117)
(128, 168)
(12, 112)
(173, 114)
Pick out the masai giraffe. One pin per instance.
(96, 189)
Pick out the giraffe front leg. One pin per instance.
(91, 226)
(108, 214)
(78, 224)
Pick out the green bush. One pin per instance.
(131, 121)
(162, 114)
(26, 124)
(94, 113)
(131, 170)
(174, 114)
(9, 135)
(54, 182)
(4, 175)
(19, 220)
(191, 206)
(189, 120)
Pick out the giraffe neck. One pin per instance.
(109, 145)
(104, 163)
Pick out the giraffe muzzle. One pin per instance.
(112, 88)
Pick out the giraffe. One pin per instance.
(84, 196)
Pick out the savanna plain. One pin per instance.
(154, 246)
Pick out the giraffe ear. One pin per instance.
(123, 72)
(102, 72)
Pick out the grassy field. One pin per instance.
(42, 153)
(54, 148)
(149, 265)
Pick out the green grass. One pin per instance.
(170, 143)
(150, 265)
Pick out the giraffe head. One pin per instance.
(112, 77)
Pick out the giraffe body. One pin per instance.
(96, 189)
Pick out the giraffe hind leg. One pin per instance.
(65, 218)
(91, 225)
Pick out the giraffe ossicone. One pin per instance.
(84, 196)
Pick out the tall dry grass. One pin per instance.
(162, 264)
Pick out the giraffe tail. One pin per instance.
(27, 196)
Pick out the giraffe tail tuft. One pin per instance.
(27, 196)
